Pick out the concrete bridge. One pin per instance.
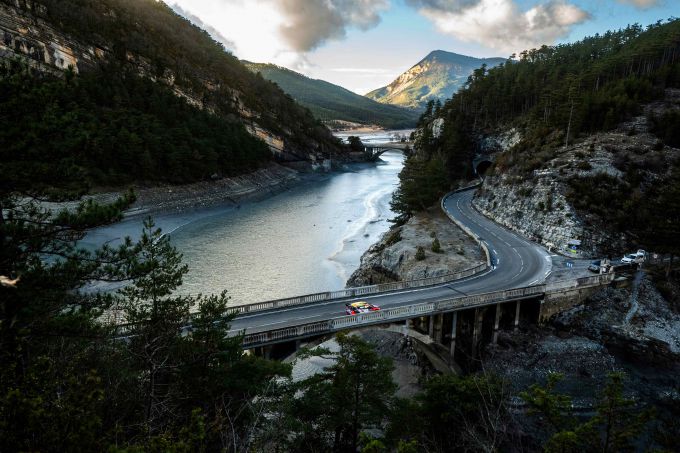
(377, 149)
(457, 310)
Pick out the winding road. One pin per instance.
(516, 262)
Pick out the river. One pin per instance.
(307, 239)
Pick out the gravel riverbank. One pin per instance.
(179, 198)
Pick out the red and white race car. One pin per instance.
(356, 308)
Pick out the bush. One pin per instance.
(436, 246)
(393, 238)
(584, 165)
(420, 253)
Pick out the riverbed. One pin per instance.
(306, 239)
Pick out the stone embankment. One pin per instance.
(393, 258)
(176, 198)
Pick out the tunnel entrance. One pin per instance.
(482, 167)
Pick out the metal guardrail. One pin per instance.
(422, 309)
(460, 225)
(356, 292)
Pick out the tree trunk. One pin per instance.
(571, 113)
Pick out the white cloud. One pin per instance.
(500, 24)
(280, 31)
(310, 23)
(371, 71)
(642, 4)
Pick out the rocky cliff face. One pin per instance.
(28, 37)
(541, 207)
(28, 34)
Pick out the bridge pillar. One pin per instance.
(517, 315)
(438, 328)
(454, 328)
(411, 323)
(430, 330)
(477, 329)
(496, 322)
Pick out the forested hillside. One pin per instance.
(150, 96)
(550, 97)
(330, 102)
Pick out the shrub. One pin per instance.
(584, 165)
(393, 238)
(525, 191)
(436, 246)
(420, 253)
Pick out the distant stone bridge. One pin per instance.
(378, 149)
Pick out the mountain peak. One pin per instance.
(437, 76)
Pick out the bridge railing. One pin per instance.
(387, 315)
(419, 309)
(357, 292)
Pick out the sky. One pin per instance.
(365, 44)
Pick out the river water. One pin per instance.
(307, 239)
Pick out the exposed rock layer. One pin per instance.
(393, 258)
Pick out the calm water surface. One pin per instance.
(307, 239)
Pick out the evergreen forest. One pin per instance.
(555, 96)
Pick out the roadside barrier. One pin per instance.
(414, 310)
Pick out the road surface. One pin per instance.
(516, 262)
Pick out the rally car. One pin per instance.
(356, 308)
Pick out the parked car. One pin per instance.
(356, 308)
(595, 266)
(631, 258)
(641, 254)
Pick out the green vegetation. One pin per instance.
(421, 184)
(436, 246)
(327, 411)
(420, 253)
(330, 102)
(436, 77)
(68, 382)
(554, 95)
(355, 143)
(113, 125)
(666, 128)
(616, 426)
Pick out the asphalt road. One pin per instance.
(516, 262)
